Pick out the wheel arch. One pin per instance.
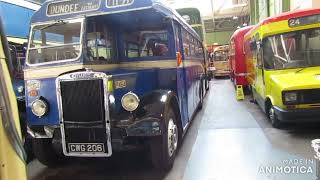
(156, 103)
(174, 102)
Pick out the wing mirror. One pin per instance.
(253, 45)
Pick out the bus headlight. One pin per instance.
(39, 107)
(20, 89)
(130, 101)
(290, 97)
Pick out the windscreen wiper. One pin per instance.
(50, 25)
(300, 70)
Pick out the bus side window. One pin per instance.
(268, 57)
(132, 50)
(233, 52)
(100, 47)
(259, 58)
(146, 43)
(177, 38)
(192, 46)
(186, 43)
(256, 49)
(200, 51)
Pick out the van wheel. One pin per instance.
(44, 152)
(250, 89)
(163, 149)
(254, 100)
(275, 122)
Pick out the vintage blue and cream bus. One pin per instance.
(111, 75)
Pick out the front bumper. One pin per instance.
(298, 115)
(126, 135)
(144, 127)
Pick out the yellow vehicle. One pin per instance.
(283, 62)
(220, 65)
(12, 155)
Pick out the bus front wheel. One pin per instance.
(201, 96)
(163, 149)
(207, 84)
(44, 152)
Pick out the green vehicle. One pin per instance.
(193, 17)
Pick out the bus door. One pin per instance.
(181, 76)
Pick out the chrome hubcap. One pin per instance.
(172, 137)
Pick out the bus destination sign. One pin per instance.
(72, 6)
(302, 21)
(119, 3)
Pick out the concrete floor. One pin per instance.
(227, 140)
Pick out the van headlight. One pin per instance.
(290, 97)
(130, 101)
(39, 107)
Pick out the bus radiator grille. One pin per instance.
(83, 101)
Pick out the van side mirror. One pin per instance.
(253, 45)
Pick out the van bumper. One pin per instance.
(298, 115)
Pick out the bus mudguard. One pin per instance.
(149, 116)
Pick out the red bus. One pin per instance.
(237, 57)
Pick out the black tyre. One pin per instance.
(210, 75)
(27, 141)
(207, 84)
(163, 149)
(275, 122)
(44, 152)
(249, 87)
(253, 96)
(28, 148)
(201, 95)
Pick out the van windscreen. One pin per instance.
(297, 49)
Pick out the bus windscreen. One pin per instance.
(55, 42)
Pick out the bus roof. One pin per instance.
(285, 16)
(291, 14)
(222, 48)
(241, 31)
(56, 10)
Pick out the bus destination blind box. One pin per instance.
(73, 6)
(302, 21)
(119, 3)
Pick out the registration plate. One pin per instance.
(86, 148)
